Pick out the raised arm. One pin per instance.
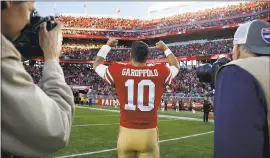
(103, 52)
(174, 64)
(100, 69)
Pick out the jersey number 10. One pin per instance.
(130, 106)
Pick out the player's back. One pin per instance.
(139, 90)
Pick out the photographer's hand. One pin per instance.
(51, 41)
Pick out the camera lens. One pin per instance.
(33, 14)
(34, 17)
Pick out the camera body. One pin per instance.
(207, 73)
(28, 42)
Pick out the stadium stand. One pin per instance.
(233, 14)
(195, 49)
(88, 46)
(186, 84)
(215, 13)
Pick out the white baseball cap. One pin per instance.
(254, 36)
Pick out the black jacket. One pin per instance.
(206, 105)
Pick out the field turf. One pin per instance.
(94, 134)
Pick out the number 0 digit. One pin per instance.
(130, 106)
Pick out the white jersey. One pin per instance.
(177, 103)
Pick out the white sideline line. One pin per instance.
(88, 153)
(160, 116)
(98, 116)
(184, 137)
(183, 118)
(108, 150)
(105, 124)
(117, 111)
(108, 124)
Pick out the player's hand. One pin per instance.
(112, 42)
(51, 41)
(161, 46)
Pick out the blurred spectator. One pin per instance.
(86, 43)
(232, 14)
(122, 54)
(186, 84)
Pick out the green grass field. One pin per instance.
(94, 135)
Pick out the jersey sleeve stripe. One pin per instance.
(106, 78)
(170, 82)
(168, 77)
(109, 75)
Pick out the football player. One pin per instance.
(180, 104)
(162, 103)
(166, 104)
(177, 104)
(139, 88)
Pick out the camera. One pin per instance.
(207, 72)
(28, 42)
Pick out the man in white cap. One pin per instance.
(242, 96)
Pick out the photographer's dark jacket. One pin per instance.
(36, 120)
(242, 109)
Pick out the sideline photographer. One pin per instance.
(242, 96)
(36, 120)
(206, 108)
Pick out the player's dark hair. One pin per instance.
(139, 51)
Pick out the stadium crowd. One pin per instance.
(122, 54)
(232, 14)
(88, 45)
(162, 30)
(188, 84)
(185, 83)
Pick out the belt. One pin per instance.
(8, 155)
